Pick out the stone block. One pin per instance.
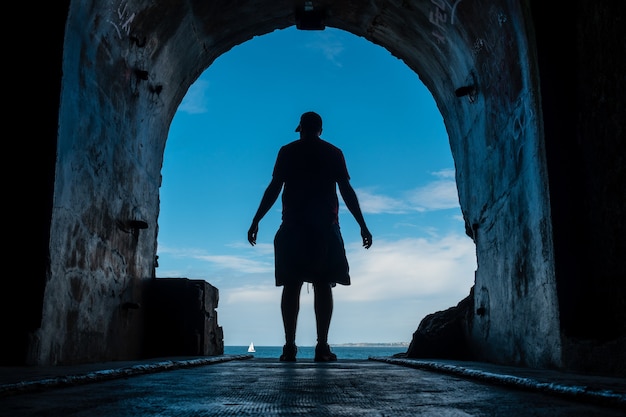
(181, 319)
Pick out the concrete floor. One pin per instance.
(244, 385)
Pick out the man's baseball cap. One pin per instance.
(310, 121)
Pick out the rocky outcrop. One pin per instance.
(444, 334)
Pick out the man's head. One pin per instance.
(310, 122)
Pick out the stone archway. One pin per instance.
(127, 68)
(127, 65)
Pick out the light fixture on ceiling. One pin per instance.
(310, 17)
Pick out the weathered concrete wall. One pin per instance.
(127, 66)
(107, 174)
(581, 68)
(497, 146)
(126, 70)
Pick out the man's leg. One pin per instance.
(323, 304)
(290, 307)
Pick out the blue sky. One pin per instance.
(219, 157)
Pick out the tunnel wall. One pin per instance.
(124, 78)
(125, 70)
(497, 144)
(104, 228)
(581, 68)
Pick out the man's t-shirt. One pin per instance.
(308, 245)
(310, 170)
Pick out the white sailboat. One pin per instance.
(251, 347)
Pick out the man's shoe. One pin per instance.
(323, 353)
(289, 353)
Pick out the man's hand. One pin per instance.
(252, 232)
(367, 237)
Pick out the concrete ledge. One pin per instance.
(112, 372)
(590, 389)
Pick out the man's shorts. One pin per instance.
(304, 253)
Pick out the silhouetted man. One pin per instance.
(308, 246)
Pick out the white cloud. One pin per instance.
(444, 173)
(440, 194)
(235, 265)
(252, 294)
(389, 270)
(238, 263)
(329, 46)
(195, 101)
(259, 248)
(377, 203)
(395, 284)
(411, 268)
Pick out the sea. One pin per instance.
(308, 352)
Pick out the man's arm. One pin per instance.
(352, 202)
(269, 198)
